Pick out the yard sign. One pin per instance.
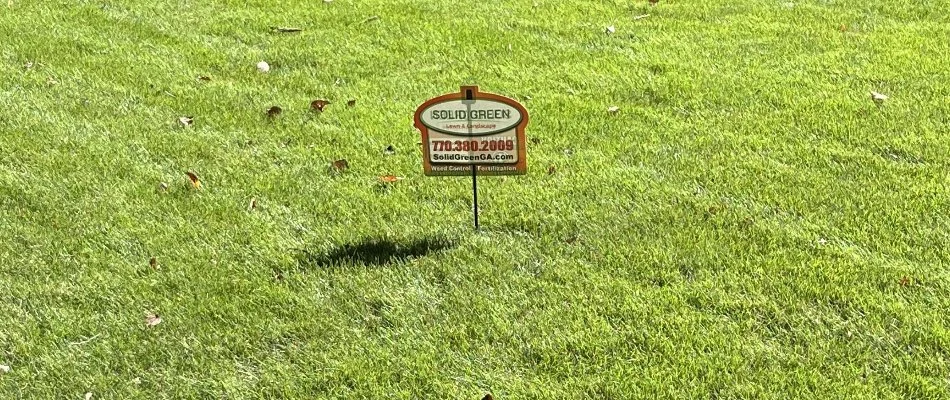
(472, 131)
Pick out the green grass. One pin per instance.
(749, 225)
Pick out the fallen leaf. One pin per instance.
(843, 28)
(253, 204)
(639, 17)
(389, 178)
(263, 66)
(551, 170)
(613, 109)
(904, 282)
(186, 121)
(88, 396)
(153, 262)
(4, 369)
(341, 165)
(488, 397)
(390, 150)
(162, 187)
(194, 180)
(319, 105)
(351, 103)
(610, 30)
(152, 319)
(203, 78)
(286, 29)
(274, 111)
(878, 97)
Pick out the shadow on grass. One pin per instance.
(373, 252)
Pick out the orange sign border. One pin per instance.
(521, 166)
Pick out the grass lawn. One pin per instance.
(750, 224)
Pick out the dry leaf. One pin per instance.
(488, 397)
(274, 111)
(390, 150)
(195, 182)
(4, 369)
(153, 262)
(88, 396)
(203, 78)
(389, 178)
(613, 109)
(162, 187)
(878, 97)
(551, 170)
(319, 105)
(351, 103)
(186, 121)
(904, 282)
(152, 319)
(341, 165)
(639, 17)
(252, 205)
(263, 66)
(610, 29)
(286, 29)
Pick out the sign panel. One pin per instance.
(472, 129)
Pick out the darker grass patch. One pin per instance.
(374, 252)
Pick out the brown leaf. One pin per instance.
(351, 103)
(152, 319)
(195, 182)
(319, 105)
(286, 29)
(203, 78)
(253, 204)
(389, 178)
(552, 170)
(274, 111)
(390, 150)
(153, 262)
(843, 28)
(186, 121)
(904, 282)
(488, 397)
(341, 165)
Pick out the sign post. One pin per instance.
(475, 133)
